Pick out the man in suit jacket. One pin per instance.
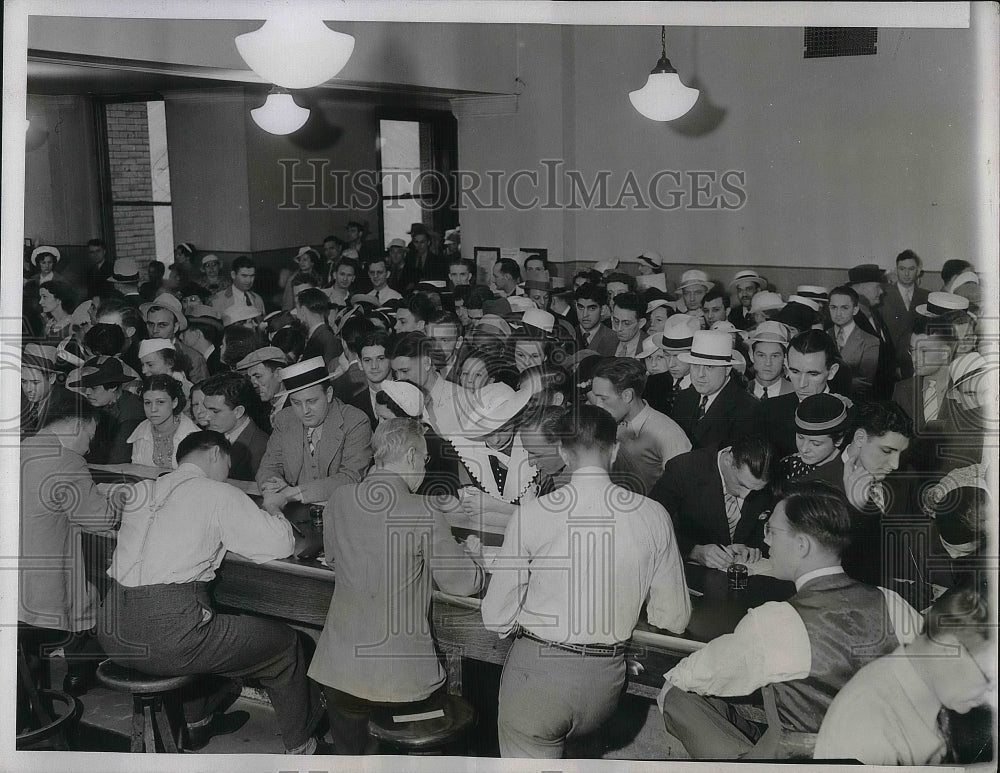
(868, 280)
(859, 350)
(100, 381)
(715, 409)
(228, 398)
(240, 291)
(39, 389)
(317, 446)
(311, 308)
(900, 303)
(627, 321)
(718, 500)
(350, 380)
(591, 299)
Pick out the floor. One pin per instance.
(636, 731)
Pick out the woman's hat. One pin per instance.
(694, 277)
(966, 277)
(822, 414)
(709, 347)
(100, 371)
(766, 300)
(303, 374)
(150, 345)
(307, 250)
(480, 412)
(940, 304)
(37, 253)
(169, 303)
(81, 314)
(966, 366)
(406, 395)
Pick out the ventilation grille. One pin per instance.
(840, 41)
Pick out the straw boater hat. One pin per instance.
(765, 300)
(150, 345)
(125, 270)
(942, 304)
(171, 304)
(651, 344)
(694, 277)
(966, 366)
(264, 354)
(239, 312)
(822, 414)
(678, 332)
(651, 259)
(100, 371)
(406, 395)
(302, 375)
(37, 253)
(710, 348)
(40, 357)
(772, 332)
(748, 276)
(813, 293)
(802, 300)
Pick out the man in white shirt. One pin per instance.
(158, 616)
(647, 439)
(572, 609)
(378, 273)
(446, 332)
(801, 652)
(628, 317)
(240, 292)
(768, 345)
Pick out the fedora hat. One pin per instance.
(418, 228)
(203, 313)
(803, 301)
(940, 304)
(772, 332)
(492, 323)
(710, 347)
(406, 395)
(125, 270)
(748, 275)
(498, 306)
(100, 371)
(168, 302)
(798, 315)
(301, 375)
(765, 300)
(536, 284)
(602, 266)
(651, 259)
(540, 320)
(866, 272)
(822, 414)
(44, 250)
(678, 332)
(40, 357)
(693, 277)
(239, 312)
(650, 345)
(519, 304)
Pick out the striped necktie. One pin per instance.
(932, 403)
(310, 431)
(876, 495)
(841, 338)
(702, 406)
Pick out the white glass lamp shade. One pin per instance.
(280, 115)
(295, 53)
(664, 97)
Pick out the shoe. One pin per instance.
(221, 724)
(77, 684)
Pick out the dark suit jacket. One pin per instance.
(361, 400)
(403, 278)
(885, 373)
(119, 420)
(659, 392)
(605, 341)
(730, 415)
(57, 394)
(350, 381)
(774, 418)
(691, 491)
(323, 343)
(343, 453)
(248, 451)
(741, 318)
(215, 364)
(860, 353)
(898, 319)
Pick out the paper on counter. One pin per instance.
(761, 566)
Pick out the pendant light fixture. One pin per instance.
(664, 97)
(279, 114)
(295, 52)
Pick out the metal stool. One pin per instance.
(157, 717)
(45, 728)
(427, 736)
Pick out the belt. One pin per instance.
(595, 650)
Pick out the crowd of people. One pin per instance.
(833, 438)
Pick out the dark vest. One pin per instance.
(848, 626)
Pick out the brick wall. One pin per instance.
(128, 159)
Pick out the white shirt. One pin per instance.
(240, 297)
(711, 397)
(236, 431)
(177, 529)
(772, 390)
(629, 348)
(844, 332)
(906, 293)
(769, 645)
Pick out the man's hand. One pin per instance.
(744, 554)
(274, 501)
(712, 556)
(272, 484)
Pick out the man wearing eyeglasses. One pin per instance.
(799, 652)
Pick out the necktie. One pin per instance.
(763, 394)
(932, 403)
(247, 297)
(841, 338)
(876, 495)
(732, 513)
(309, 438)
(31, 417)
(702, 406)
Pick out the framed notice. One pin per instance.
(486, 258)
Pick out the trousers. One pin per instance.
(710, 728)
(169, 630)
(548, 695)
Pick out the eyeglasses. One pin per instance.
(769, 529)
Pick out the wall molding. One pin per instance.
(226, 94)
(475, 107)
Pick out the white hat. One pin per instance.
(406, 395)
(651, 259)
(453, 235)
(693, 277)
(938, 304)
(749, 276)
(659, 303)
(501, 325)
(542, 320)
(770, 331)
(150, 345)
(724, 326)
(521, 303)
(81, 314)
(807, 302)
(678, 332)
(483, 411)
(650, 345)
(306, 250)
(603, 266)
(169, 303)
(239, 312)
(44, 250)
(710, 348)
(395, 243)
(125, 270)
(210, 258)
(964, 278)
(814, 292)
(645, 281)
(303, 374)
(766, 301)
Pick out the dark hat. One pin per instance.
(417, 228)
(797, 315)
(866, 272)
(651, 294)
(361, 225)
(498, 306)
(536, 284)
(100, 371)
(822, 414)
(619, 276)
